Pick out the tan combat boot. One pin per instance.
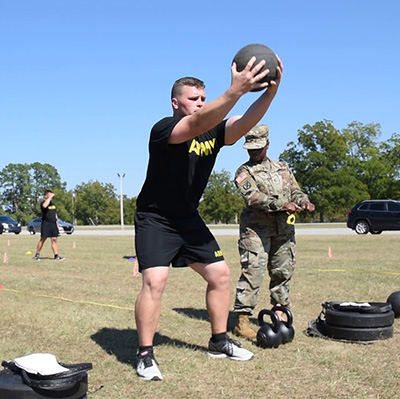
(243, 328)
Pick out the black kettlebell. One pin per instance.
(285, 327)
(268, 336)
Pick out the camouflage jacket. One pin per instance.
(266, 187)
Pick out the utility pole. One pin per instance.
(121, 198)
(73, 207)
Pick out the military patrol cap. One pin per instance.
(256, 138)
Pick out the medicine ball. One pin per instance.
(394, 300)
(261, 52)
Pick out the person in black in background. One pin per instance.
(50, 227)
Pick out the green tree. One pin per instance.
(96, 203)
(129, 209)
(15, 182)
(320, 161)
(390, 151)
(220, 202)
(23, 185)
(65, 203)
(376, 163)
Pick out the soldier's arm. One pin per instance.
(253, 197)
(299, 197)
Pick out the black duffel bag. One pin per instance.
(17, 383)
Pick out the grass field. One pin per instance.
(82, 311)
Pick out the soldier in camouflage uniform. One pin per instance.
(267, 236)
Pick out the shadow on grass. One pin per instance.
(202, 314)
(123, 344)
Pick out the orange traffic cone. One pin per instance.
(5, 258)
(73, 245)
(330, 255)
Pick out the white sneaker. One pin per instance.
(147, 368)
(228, 348)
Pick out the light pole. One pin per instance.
(121, 198)
(73, 207)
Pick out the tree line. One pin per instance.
(336, 168)
(22, 187)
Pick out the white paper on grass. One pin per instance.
(359, 304)
(40, 363)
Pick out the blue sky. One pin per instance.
(83, 81)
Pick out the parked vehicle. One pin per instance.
(34, 226)
(9, 225)
(374, 216)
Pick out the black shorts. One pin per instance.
(178, 242)
(49, 229)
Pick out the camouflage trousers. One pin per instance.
(276, 254)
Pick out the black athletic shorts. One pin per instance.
(178, 242)
(49, 229)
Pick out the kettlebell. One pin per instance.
(268, 336)
(285, 327)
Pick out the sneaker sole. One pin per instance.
(155, 378)
(153, 375)
(217, 355)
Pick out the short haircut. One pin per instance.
(187, 81)
(48, 191)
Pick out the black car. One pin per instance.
(9, 225)
(35, 225)
(374, 216)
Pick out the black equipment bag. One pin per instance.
(16, 383)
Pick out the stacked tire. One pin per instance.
(366, 322)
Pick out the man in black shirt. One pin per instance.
(168, 229)
(50, 227)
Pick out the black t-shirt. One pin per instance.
(49, 213)
(177, 174)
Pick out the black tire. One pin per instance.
(358, 334)
(359, 320)
(361, 227)
(373, 307)
(376, 231)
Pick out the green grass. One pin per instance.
(82, 311)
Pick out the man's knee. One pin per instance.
(215, 274)
(154, 281)
(220, 274)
